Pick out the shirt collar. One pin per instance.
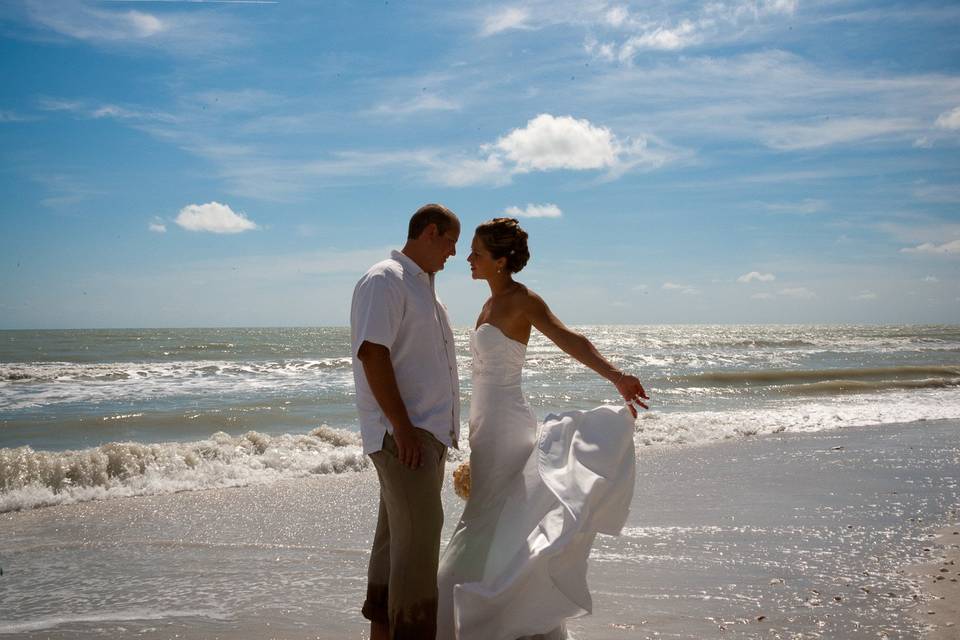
(408, 263)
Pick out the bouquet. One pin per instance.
(461, 480)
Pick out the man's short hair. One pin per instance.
(432, 214)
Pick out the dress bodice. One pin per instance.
(497, 359)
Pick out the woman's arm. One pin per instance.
(579, 347)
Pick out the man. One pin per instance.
(408, 397)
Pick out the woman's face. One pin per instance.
(482, 264)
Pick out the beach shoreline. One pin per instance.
(785, 535)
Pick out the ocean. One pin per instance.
(95, 414)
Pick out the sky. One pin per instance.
(176, 164)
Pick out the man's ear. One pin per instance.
(430, 231)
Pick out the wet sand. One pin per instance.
(784, 536)
(939, 578)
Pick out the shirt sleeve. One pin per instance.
(376, 311)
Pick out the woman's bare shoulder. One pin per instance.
(528, 299)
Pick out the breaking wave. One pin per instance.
(31, 478)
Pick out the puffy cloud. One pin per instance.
(756, 275)
(949, 119)
(213, 217)
(923, 142)
(504, 20)
(157, 226)
(931, 279)
(798, 292)
(545, 210)
(952, 247)
(551, 142)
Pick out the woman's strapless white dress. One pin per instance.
(516, 564)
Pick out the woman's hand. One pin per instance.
(632, 391)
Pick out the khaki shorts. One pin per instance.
(402, 576)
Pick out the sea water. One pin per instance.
(93, 414)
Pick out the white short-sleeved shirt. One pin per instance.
(395, 305)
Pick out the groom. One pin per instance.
(405, 370)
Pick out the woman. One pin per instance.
(516, 563)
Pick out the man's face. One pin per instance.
(444, 246)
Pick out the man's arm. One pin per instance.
(378, 369)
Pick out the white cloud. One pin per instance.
(469, 171)
(923, 142)
(931, 279)
(602, 50)
(938, 193)
(505, 19)
(64, 190)
(559, 142)
(806, 206)
(190, 33)
(951, 248)
(682, 36)
(798, 292)
(616, 16)
(920, 229)
(545, 210)
(213, 217)
(117, 112)
(716, 21)
(762, 296)
(794, 136)
(85, 23)
(756, 275)
(548, 143)
(157, 226)
(865, 295)
(949, 119)
(682, 288)
(12, 116)
(426, 102)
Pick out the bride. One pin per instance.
(515, 566)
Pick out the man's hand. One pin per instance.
(409, 451)
(632, 391)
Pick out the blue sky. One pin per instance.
(242, 163)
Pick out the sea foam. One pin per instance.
(31, 478)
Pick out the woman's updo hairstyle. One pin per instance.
(504, 238)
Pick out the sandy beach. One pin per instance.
(939, 578)
(825, 535)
